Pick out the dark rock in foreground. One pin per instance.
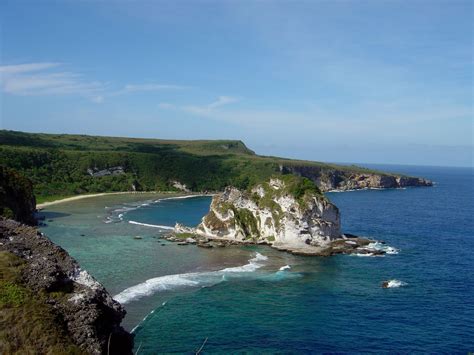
(89, 315)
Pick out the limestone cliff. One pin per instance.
(287, 212)
(352, 178)
(48, 304)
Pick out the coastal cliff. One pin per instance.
(66, 165)
(48, 304)
(17, 200)
(287, 212)
(330, 179)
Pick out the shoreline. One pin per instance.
(43, 205)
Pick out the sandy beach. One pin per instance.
(171, 194)
(80, 197)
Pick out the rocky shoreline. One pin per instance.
(346, 244)
(288, 213)
(344, 180)
(86, 313)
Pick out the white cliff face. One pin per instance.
(177, 185)
(270, 213)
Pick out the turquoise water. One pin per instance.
(240, 301)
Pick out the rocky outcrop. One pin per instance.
(17, 200)
(286, 212)
(114, 170)
(353, 178)
(86, 311)
(179, 186)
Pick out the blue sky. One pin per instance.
(343, 81)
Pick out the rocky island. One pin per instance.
(287, 212)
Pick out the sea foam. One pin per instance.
(170, 282)
(373, 247)
(117, 213)
(395, 283)
(152, 225)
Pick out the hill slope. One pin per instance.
(75, 164)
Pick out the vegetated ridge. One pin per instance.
(65, 165)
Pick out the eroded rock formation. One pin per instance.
(287, 212)
(352, 179)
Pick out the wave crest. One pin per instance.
(169, 282)
(151, 225)
(394, 284)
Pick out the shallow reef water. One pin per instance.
(255, 299)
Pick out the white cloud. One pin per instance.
(24, 68)
(43, 79)
(49, 84)
(211, 110)
(222, 100)
(98, 99)
(151, 87)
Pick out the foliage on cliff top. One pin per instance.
(296, 186)
(58, 164)
(16, 196)
(28, 325)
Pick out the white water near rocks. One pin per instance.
(396, 283)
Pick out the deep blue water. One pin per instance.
(336, 304)
(331, 304)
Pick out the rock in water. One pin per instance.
(287, 212)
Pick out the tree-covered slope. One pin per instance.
(74, 164)
(16, 196)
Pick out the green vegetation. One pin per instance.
(247, 222)
(184, 235)
(212, 220)
(11, 294)
(58, 165)
(299, 187)
(16, 196)
(28, 325)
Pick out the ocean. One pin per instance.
(254, 299)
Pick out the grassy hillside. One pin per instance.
(58, 164)
(27, 324)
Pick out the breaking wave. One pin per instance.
(395, 284)
(116, 214)
(152, 225)
(371, 249)
(382, 247)
(181, 197)
(196, 279)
